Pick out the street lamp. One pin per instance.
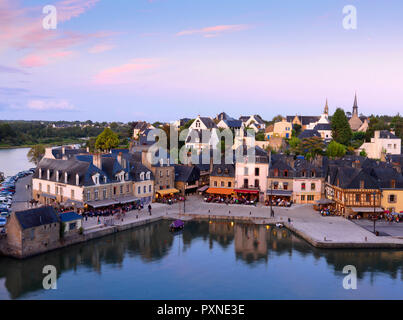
(374, 218)
(271, 199)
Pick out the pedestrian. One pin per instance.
(149, 209)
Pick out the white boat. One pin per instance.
(279, 225)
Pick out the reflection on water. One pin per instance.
(256, 247)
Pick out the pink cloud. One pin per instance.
(101, 48)
(22, 30)
(124, 73)
(214, 30)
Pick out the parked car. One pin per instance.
(3, 221)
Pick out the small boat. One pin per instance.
(176, 225)
(279, 225)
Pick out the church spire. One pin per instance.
(355, 107)
(326, 108)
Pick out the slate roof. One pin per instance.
(69, 153)
(223, 170)
(233, 123)
(279, 162)
(309, 168)
(186, 173)
(305, 120)
(385, 134)
(208, 122)
(309, 134)
(69, 216)
(384, 176)
(350, 178)
(223, 116)
(36, 217)
(322, 126)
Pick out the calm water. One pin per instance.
(13, 161)
(206, 261)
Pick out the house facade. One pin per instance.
(383, 143)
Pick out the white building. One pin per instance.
(383, 142)
(203, 134)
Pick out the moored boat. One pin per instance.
(176, 225)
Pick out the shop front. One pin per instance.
(247, 195)
(165, 195)
(282, 198)
(219, 194)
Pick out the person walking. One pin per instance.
(149, 209)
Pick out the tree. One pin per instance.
(297, 129)
(341, 131)
(363, 153)
(260, 136)
(335, 150)
(311, 147)
(294, 143)
(107, 140)
(36, 153)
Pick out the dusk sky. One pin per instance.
(168, 59)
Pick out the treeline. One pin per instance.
(20, 133)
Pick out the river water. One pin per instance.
(217, 260)
(13, 161)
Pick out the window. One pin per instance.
(215, 183)
(32, 234)
(142, 176)
(72, 225)
(229, 183)
(285, 185)
(392, 198)
(148, 175)
(88, 195)
(313, 186)
(357, 197)
(245, 183)
(219, 171)
(245, 171)
(149, 188)
(121, 189)
(72, 194)
(138, 190)
(285, 173)
(256, 183)
(104, 193)
(256, 171)
(222, 183)
(57, 190)
(114, 190)
(368, 198)
(145, 189)
(313, 174)
(303, 186)
(393, 184)
(160, 174)
(40, 186)
(310, 197)
(303, 173)
(302, 198)
(127, 188)
(96, 194)
(48, 188)
(276, 172)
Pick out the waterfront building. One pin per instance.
(308, 181)
(31, 232)
(72, 222)
(280, 178)
(222, 179)
(382, 144)
(251, 176)
(353, 190)
(91, 180)
(186, 178)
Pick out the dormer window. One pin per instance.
(313, 174)
(285, 173)
(127, 176)
(65, 177)
(161, 162)
(362, 185)
(77, 179)
(105, 179)
(303, 173)
(219, 171)
(48, 174)
(148, 175)
(393, 184)
(40, 173)
(142, 176)
(57, 175)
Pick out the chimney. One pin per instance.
(97, 160)
(120, 159)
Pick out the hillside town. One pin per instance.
(299, 163)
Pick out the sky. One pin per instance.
(128, 60)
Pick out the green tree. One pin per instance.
(259, 136)
(341, 131)
(294, 143)
(107, 140)
(363, 153)
(36, 153)
(297, 129)
(311, 147)
(335, 150)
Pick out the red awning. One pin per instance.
(246, 191)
